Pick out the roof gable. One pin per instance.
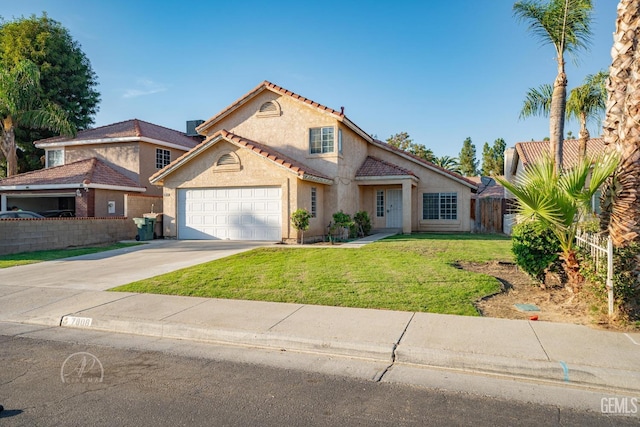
(302, 171)
(265, 85)
(129, 130)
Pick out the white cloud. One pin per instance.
(145, 87)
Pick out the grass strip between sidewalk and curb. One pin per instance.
(407, 273)
(25, 258)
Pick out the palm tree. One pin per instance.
(448, 163)
(566, 25)
(20, 105)
(558, 202)
(585, 103)
(621, 199)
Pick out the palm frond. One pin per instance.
(537, 102)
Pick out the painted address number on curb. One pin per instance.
(77, 321)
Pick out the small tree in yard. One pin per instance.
(300, 221)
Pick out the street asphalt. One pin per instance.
(71, 293)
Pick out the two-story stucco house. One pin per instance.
(91, 173)
(273, 151)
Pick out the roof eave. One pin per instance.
(425, 165)
(61, 144)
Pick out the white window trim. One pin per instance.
(440, 195)
(322, 153)
(163, 152)
(46, 156)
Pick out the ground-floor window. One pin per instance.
(379, 203)
(314, 202)
(440, 206)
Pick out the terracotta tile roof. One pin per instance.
(88, 171)
(375, 167)
(427, 163)
(258, 148)
(533, 150)
(133, 128)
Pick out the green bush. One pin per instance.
(535, 249)
(362, 222)
(341, 222)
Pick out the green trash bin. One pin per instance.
(145, 228)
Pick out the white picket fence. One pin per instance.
(601, 250)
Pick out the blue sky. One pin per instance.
(439, 70)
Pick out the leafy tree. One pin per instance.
(404, 142)
(300, 221)
(499, 145)
(565, 24)
(447, 162)
(21, 105)
(557, 201)
(400, 140)
(467, 158)
(487, 160)
(66, 76)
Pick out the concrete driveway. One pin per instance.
(105, 270)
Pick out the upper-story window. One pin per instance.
(163, 158)
(55, 158)
(321, 140)
(339, 141)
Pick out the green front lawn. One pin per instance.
(39, 256)
(409, 273)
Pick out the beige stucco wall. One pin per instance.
(255, 171)
(147, 165)
(102, 197)
(428, 182)
(122, 157)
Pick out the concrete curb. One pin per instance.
(271, 340)
(558, 372)
(539, 370)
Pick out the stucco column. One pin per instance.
(406, 206)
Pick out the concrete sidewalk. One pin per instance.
(551, 352)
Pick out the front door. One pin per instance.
(394, 208)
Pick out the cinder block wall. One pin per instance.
(26, 235)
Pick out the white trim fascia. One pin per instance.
(387, 178)
(313, 178)
(356, 129)
(190, 155)
(68, 186)
(431, 168)
(112, 141)
(24, 196)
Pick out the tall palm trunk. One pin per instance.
(8, 145)
(621, 198)
(583, 137)
(556, 115)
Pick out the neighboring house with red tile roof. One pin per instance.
(90, 173)
(523, 154)
(272, 152)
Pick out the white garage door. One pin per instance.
(230, 213)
